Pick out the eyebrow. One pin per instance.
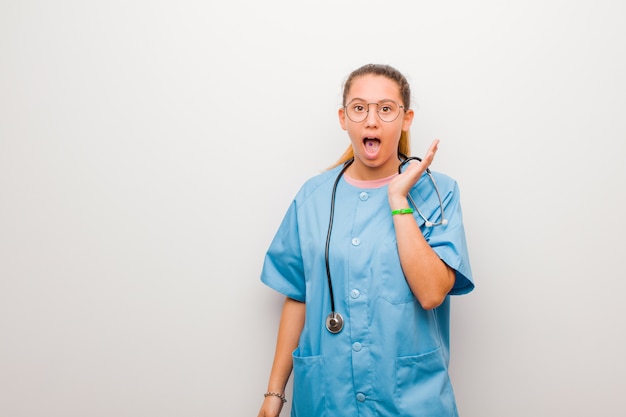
(379, 101)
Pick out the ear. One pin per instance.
(342, 118)
(408, 119)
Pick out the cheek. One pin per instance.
(354, 138)
(397, 131)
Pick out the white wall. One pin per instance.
(148, 150)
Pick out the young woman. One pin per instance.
(367, 258)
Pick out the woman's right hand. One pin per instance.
(271, 407)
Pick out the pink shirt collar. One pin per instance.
(368, 183)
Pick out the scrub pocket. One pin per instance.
(309, 396)
(393, 285)
(423, 386)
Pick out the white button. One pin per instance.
(360, 397)
(355, 293)
(364, 196)
(356, 346)
(356, 241)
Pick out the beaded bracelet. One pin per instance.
(402, 211)
(275, 394)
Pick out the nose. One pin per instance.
(372, 115)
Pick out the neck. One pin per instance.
(362, 172)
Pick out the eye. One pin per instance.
(358, 107)
(387, 107)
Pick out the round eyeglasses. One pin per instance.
(358, 110)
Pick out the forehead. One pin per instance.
(374, 88)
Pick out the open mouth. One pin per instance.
(371, 145)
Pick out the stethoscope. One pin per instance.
(334, 321)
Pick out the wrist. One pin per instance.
(397, 203)
(279, 395)
(402, 211)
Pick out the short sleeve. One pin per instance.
(283, 268)
(449, 242)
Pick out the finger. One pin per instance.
(433, 146)
(430, 154)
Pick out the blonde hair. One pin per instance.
(404, 146)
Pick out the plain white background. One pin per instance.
(149, 149)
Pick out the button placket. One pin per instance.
(358, 299)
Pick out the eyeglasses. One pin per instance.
(358, 110)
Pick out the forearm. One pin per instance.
(291, 324)
(429, 278)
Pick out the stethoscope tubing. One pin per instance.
(334, 321)
(443, 221)
(333, 315)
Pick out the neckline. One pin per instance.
(368, 183)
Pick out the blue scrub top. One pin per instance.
(391, 358)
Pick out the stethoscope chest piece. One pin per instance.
(334, 322)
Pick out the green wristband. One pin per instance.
(402, 211)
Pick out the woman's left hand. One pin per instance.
(399, 187)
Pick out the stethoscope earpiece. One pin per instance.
(427, 222)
